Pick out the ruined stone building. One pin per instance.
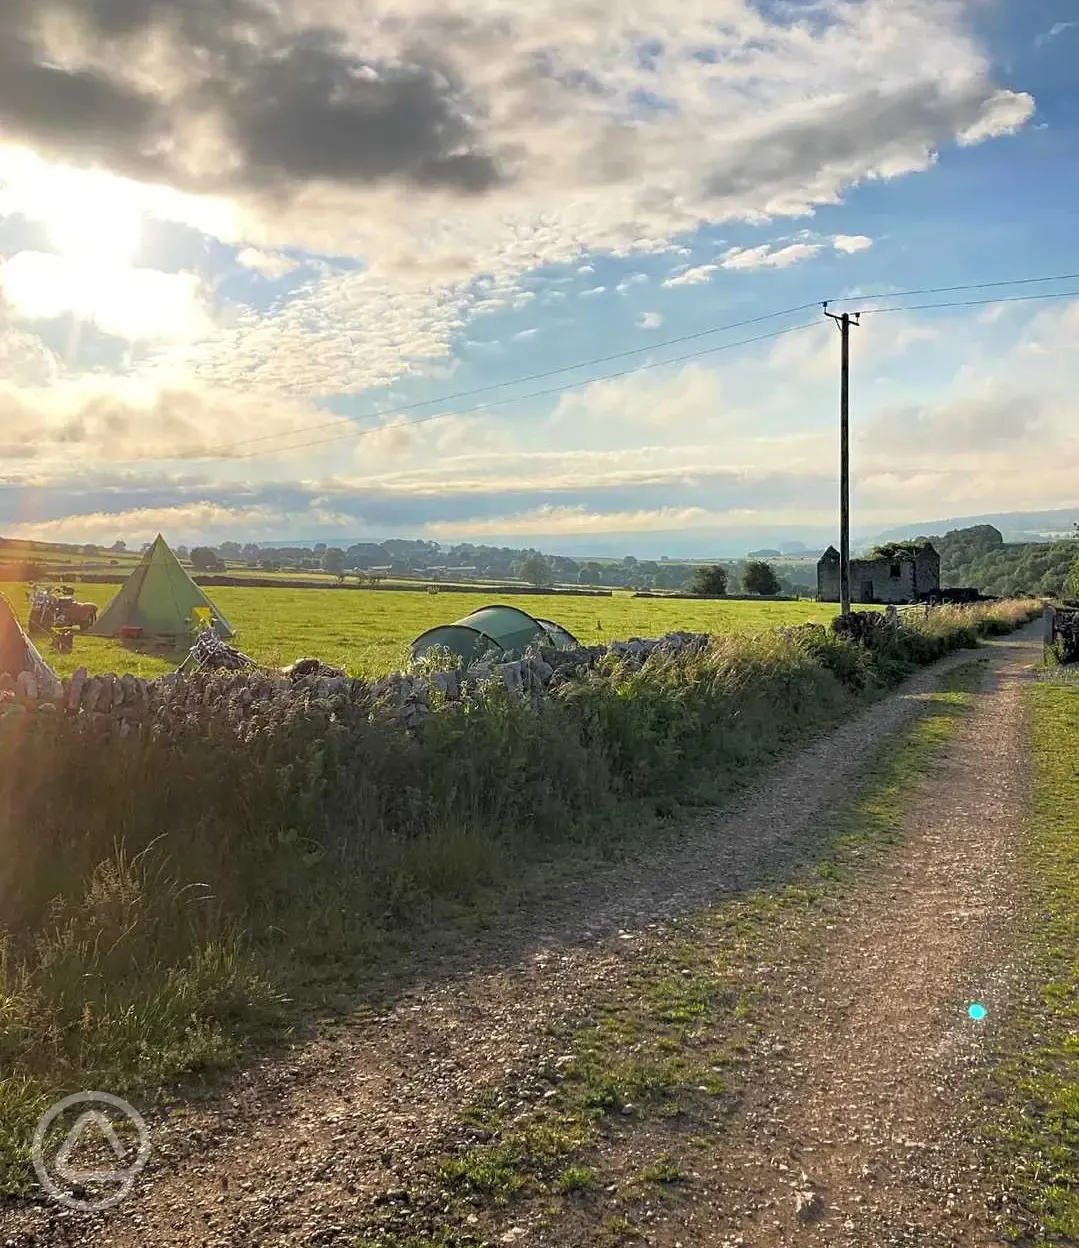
(899, 575)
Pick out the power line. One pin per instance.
(949, 290)
(973, 303)
(516, 381)
(535, 394)
(212, 451)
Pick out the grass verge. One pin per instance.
(1035, 1141)
(647, 1083)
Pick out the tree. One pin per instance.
(203, 559)
(709, 582)
(119, 547)
(333, 561)
(537, 571)
(760, 578)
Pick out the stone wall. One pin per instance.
(241, 704)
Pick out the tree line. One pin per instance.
(401, 557)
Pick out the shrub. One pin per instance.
(160, 897)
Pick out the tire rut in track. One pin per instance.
(296, 1149)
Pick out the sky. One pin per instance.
(544, 274)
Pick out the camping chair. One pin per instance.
(202, 618)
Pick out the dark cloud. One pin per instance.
(863, 127)
(87, 112)
(291, 108)
(313, 112)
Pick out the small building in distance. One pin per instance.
(897, 573)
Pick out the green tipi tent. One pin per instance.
(160, 598)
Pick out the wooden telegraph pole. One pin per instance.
(844, 322)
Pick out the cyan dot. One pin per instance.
(977, 1012)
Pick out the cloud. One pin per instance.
(690, 398)
(590, 294)
(129, 303)
(422, 159)
(693, 277)
(981, 420)
(241, 98)
(767, 257)
(650, 320)
(1054, 32)
(873, 131)
(46, 416)
(339, 127)
(269, 263)
(559, 521)
(1003, 113)
(850, 243)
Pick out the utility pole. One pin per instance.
(844, 322)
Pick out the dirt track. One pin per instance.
(871, 1099)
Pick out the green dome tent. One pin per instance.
(160, 598)
(493, 630)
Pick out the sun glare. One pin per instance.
(100, 226)
(88, 216)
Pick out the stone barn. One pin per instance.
(898, 574)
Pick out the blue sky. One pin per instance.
(243, 281)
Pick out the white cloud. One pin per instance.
(783, 119)
(1003, 113)
(271, 264)
(650, 320)
(590, 294)
(68, 422)
(691, 398)
(693, 277)
(1054, 32)
(767, 257)
(188, 522)
(561, 521)
(850, 243)
(133, 304)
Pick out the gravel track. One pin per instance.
(862, 1129)
(298, 1147)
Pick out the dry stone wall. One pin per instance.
(242, 705)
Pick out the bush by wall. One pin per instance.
(249, 838)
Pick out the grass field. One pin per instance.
(368, 632)
(1037, 1140)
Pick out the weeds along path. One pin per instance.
(304, 1150)
(866, 1123)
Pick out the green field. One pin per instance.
(368, 631)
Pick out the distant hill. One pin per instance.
(979, 557)
(1014, 526)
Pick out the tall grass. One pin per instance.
(160, 902)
